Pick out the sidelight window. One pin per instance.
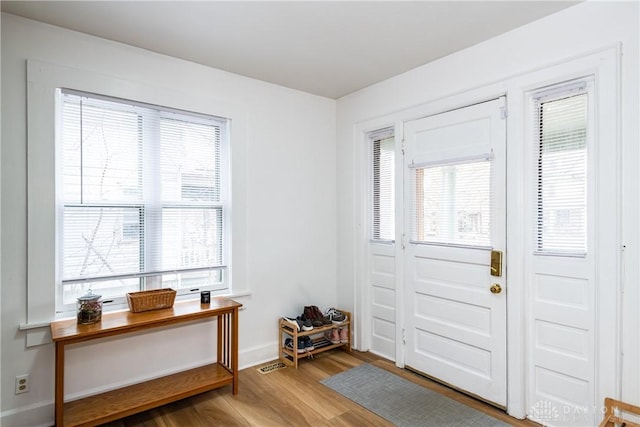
(560, 138)
(382, 145)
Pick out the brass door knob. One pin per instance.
(495, 288)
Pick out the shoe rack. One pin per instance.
(320, 343)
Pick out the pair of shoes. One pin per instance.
(333, 336)
(288, 343)
(305, 324)
(298, 323)
(304, 344)
(313, 313)
(336, 316)
(308, 316)
(293, 322)
(337, 335)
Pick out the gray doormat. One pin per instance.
(404, 403)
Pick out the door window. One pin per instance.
(452, 203)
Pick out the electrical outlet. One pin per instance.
(22, 384)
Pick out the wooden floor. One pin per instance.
(290, 397)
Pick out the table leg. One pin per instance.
(234, 349)
(59, 382)
(220, 352)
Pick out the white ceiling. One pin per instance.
(328, 48)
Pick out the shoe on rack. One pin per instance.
(343, 335)
(308, 344)
(302, 344)
(292, 321)
(336, 316)
(310, 314)
(316, 322)
(307, 312)
(288, 343)
(305, 324)
(333, 336)
(326, 320)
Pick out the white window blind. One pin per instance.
(383, 183)
(452, 202)
(561, 162)
(141, 197)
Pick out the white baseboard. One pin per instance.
(256, 355)
(35, 415)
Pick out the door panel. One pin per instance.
(383, 300)
(562, 326)
(455, 327)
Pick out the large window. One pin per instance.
(561, 163)
(142, 198)
(382, 145)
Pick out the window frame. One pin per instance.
(580, 86)
(43, 79)
(150, 117)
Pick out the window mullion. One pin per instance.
(152, 246)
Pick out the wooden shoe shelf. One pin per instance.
(320, 343)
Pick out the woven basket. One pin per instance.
(151, 300)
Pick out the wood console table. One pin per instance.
(115, 404)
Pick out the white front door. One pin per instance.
(455, 317)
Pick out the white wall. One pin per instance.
(284, 231)
(571, 33)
